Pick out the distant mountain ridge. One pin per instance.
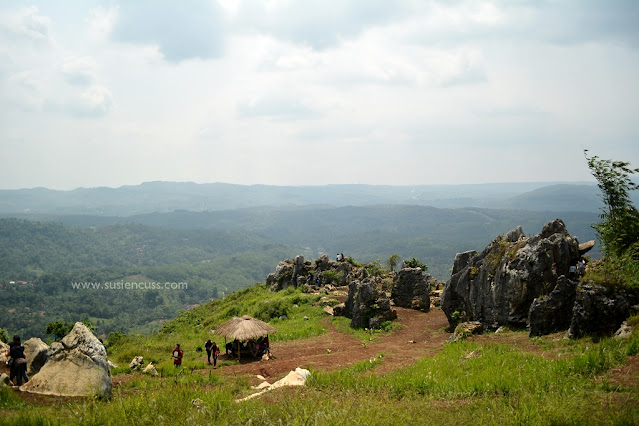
(161, 197)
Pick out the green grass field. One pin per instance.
(464, 383)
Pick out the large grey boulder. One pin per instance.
(366, 306)
(497, 286)
(600, 311)
(77, 366)
(411, 289)
(36, 354)
(552, 313)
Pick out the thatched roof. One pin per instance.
(244, 328)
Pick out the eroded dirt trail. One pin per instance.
(421, 335)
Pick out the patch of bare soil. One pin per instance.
(627, 375)
(421, 335)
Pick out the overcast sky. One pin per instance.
(314, 92)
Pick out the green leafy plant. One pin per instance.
(374, 268)
(415, 263)
(392, 262)
(619, 227)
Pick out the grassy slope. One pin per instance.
(465, 383)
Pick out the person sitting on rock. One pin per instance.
(18, 362)
(177, 355)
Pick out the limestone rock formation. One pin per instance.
(36, 354)
(553, 313)
(366, 306)
(600, 311)
(77, 366)
(497, 286)
(411, 289)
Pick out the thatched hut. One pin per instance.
(243, 329)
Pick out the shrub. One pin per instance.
(415, 263)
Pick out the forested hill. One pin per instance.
(41, 263)
(28, 249)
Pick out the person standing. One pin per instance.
(19, 362)
(215, 351)
(177, 355)
(208, 345)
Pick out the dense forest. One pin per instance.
(40, 262)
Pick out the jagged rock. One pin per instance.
(4, 380)
(586, 247)
(624, 332)
(552, 313)
(282, 278)
(366, 307)
(137, 362)
(77, 366)
(150, 369)
(466, 329)
(411, 289)
(600, 311)
(339, 310)
(498, 285)
(324, 264)
(36, 354)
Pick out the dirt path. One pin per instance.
(421, 335)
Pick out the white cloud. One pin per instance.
(101, 22)
(26, 24)
(79, 70)
(384, 92)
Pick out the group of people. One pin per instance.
(257, 347)
(212, 351)
(340, 257)
(17, 362)
(576, 270)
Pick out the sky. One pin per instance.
(315, 92)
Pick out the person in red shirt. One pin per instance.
(177, 355)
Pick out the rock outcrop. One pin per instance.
(600, 311)
(137, 362)
(552, 313)
(36, 354)
(77, 366)
(497, 286)
(411, 289)
(366, 306)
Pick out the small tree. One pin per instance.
(415, 263)
(392, 262)
(59, 329)
(618, 230)
(4, 335)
